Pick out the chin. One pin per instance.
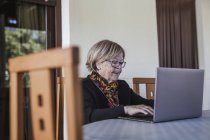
(115, 78)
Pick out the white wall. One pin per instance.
(65, 42)
(127, 22)
(203, 33)
(65, 23)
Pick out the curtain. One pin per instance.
(177, 37)
(32, 16)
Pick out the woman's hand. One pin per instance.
(134, 109)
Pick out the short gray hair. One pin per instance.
(102, 51)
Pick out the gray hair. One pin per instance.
(102, 51)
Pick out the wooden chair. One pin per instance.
(60, 106)
(39, 66)
(148, 82)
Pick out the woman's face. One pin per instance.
(111, 69)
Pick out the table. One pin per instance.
(118, 129)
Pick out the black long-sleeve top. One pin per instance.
(96, 105)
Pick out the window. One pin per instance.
(26, 26)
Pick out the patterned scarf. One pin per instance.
(110, 90)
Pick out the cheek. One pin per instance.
(109, 71)
(106, 70)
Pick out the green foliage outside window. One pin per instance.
(21, 42)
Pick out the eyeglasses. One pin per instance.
(116, 64)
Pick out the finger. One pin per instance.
(143, 106)
(149, 111)
(139, 110)
(146, 111)
(143, 111)
(149, 108)
(140, 106)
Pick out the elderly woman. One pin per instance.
(105, 96)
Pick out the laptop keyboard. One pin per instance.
(138, 117)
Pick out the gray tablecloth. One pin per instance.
(118, 129)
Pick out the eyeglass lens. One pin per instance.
(115, 63)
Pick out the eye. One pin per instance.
(114, 62)
(121, 63)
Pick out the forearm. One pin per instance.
(136, 100)
(103, 114)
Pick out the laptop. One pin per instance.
(178, 95)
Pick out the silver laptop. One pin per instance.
(178, 95)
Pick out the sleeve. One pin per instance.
(94, 113)
(137, 99)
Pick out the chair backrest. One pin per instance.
(149, 84)
(60, 106)
(39, 66)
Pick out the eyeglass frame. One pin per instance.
(119, 63)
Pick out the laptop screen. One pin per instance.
(179, 93)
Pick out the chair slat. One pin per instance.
(150, 86)
(41, 105)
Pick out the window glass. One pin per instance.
(24, 33)
(20, 42)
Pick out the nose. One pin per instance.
(118, 66)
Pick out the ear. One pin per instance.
(98, 66)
